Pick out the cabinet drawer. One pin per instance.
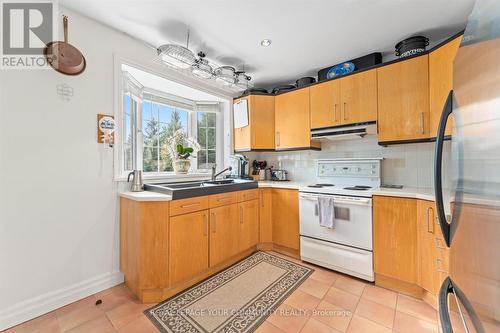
(189, 205)
(222, 199)
(248, 195)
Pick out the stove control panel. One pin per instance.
(343, 168)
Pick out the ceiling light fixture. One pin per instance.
(265, 42)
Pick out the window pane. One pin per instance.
(202, 159)
(127, 106)
(184, 118)
(165, 113)
(202, 119)
(147, 110)
(127, 130)
(150, 131)
(127, 157)
(165, 161)
(211, 139)
(202, 137)
(211, 119)
(211, 156)
(150, 159)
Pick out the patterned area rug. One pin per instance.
(237, 299)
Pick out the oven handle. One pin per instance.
(340, 200)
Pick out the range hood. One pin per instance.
(344, 132)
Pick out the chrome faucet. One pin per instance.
(215, 175)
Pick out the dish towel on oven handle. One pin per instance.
(326, 212)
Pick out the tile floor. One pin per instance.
(325, 302)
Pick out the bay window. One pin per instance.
(149, 117)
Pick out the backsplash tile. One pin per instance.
(410, 165)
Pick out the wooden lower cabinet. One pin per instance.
(395, 238)
(410, 255)
(433, 254)
(265, 216)
(224, 230)
(165, 247)
(248, 233)
(285, 215)
(144, 245)
(188, 245)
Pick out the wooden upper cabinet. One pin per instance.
(358, 94)
(259, 134)
(352, 99)
(188, 245)
(325, 104)
(441, 82)
(403, 100)
(292, 120)
(395, 238)
(286, 226)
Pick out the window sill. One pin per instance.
(156, 178)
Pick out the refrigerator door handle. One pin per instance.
(444, 315)
(438, 166)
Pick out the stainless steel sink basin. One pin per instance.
(200, 188)
(183, 185)
(220, 182)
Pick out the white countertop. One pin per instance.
(282, 184)
(146, 196)
(405, 192)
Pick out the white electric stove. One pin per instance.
(347, 247)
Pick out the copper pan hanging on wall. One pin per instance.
(64, 57)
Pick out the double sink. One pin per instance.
(181, 190)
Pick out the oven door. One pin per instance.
(353, 220)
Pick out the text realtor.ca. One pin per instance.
(27, 27)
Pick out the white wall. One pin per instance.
(410, 165)
(58, 202)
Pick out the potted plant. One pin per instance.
(180, 148)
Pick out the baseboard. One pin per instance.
(37, 306)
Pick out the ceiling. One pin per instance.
(306, 35)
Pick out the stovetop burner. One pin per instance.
(358, 188)
(320, 185)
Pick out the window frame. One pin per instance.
(223, 121)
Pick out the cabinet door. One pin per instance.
(325, 104)
(262, 121)
(249, 224)
(403, 100)
(286, 218)
(395, 238)
(428, 276)
(441, 82)
(358, 94)
(292, 119)
(242, 136)
(188, 245)
(265, 216)
(224, 229)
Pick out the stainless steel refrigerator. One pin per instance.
(469, 299)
